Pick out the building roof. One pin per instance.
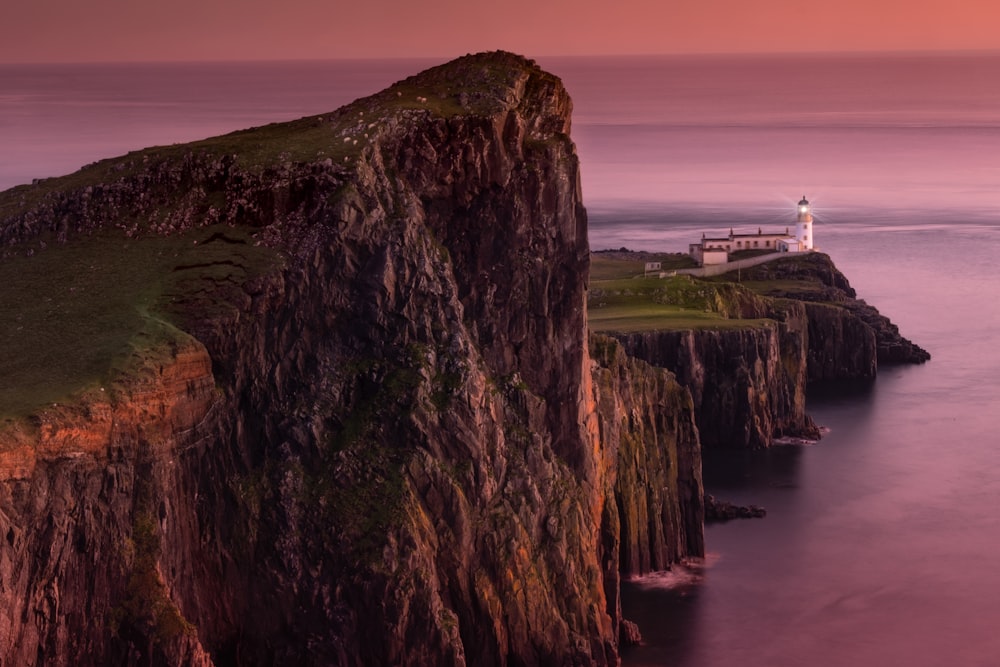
(779, 235)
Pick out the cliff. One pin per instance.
(748, 384)
(646, 416)
(759, 342)
(848, 338)
(351, 416)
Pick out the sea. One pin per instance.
(881, 544)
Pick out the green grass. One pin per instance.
(636, 285)
(782, 287)
(602, 268)
(613, 265)
(307, 139)
(77, 314)
(640, 315)
(621, 299)
(339, 135)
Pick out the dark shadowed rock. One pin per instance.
(721, 510)
(748, 384)
(839, 350)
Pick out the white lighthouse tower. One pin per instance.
(804, 225)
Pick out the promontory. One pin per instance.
(323, 393)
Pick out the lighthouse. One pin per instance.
(804, 225)
(716, 250)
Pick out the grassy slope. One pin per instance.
(77, 314)
(622, 300)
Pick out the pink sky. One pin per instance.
(131, 30)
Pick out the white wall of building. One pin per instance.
(714, 256)
(804, 233)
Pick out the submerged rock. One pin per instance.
(721, 510)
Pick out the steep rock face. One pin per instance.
(890, 346)
(410, 457)
(78, 516)
(748, 384)
(841, 339)
(647, 417)
(841, 346)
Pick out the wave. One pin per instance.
(689, 572)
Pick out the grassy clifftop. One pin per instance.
(80, 313)
(96, 265)
(474, 85)
(622, 299)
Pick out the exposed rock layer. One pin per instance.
(833, 345)
(749, 383)
(394, 448)
(645, 415)
(720, 510)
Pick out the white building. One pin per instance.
(804, 225)
(716, 250)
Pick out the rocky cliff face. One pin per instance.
(841, 345)
(392, 447)
(848, 338)
(82, 494)
(645, 415)
(749, 383)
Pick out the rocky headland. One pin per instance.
(766, 335)
(323, 393)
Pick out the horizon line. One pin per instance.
(447, 58)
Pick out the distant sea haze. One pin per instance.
(857, 134)
(880, 545)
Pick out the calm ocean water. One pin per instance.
(882, 542)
